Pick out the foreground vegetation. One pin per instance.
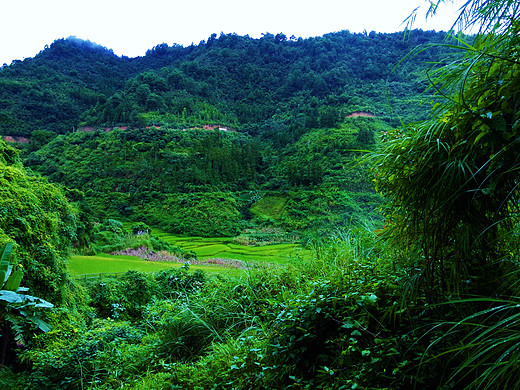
(301, 325)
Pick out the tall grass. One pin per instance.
(345, 251)
(482, 348)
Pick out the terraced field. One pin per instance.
(204, 248)
(110, 264)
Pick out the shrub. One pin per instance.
(110, 236)
(174, 282)
(140, 228)
(122, 298)
(108, 354)
(11, 380)
(206, 214)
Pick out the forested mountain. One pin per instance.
(230, 122)
(233, 80)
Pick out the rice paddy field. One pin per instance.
(105, 264)
(206, 249)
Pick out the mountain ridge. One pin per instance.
(250, 79)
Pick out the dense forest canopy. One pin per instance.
(231, 80)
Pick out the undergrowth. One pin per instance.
(335, 321)
(332, 322)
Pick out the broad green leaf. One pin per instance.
(11, 296)
(6, 251)
(499, 124)
(41, 324)
(3, 274)
(14, 280)
(5, 266)
(482, 134)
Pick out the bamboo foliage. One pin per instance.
(452, 186)
(452, 181)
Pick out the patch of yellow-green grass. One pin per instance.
(211, 250)
(205, 248)
(104, 263)
(188, 243)
(276, 253)
(151, 380)
(277, 248)
(225, 248)
(270, 206)
(280, 259)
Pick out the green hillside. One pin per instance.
(179, 138)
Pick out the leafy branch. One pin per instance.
(16, 308)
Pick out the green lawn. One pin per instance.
(112, 264)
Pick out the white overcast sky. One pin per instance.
(130, 27)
